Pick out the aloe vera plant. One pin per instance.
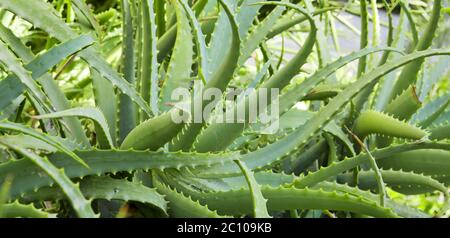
(88, 111)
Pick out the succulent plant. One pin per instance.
(87, 125)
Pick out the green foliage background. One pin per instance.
(85, 126)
